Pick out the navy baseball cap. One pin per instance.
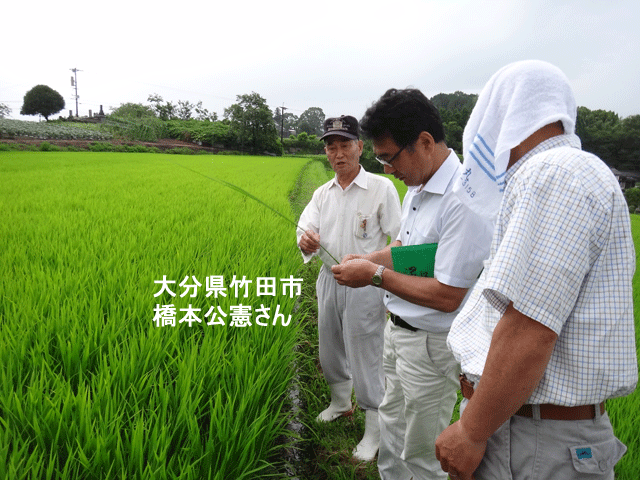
(345, 126)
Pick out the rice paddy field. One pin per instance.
(95, 380)
(127, 285)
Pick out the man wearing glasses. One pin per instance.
(421, 373)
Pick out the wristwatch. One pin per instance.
(377, 277)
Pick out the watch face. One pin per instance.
(377, 277)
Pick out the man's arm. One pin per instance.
(428, 292)
(379, 257)
(518, 356)
(308, 238)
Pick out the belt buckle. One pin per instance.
(399, 322)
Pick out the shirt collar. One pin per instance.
(440, 180)
(360, 180)
(565, 140)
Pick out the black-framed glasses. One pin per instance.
(390, 161)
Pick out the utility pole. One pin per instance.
(282, 122)
(74, 83)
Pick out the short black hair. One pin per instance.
(402, 115)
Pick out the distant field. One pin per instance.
(48, 130)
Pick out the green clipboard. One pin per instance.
(417, 260)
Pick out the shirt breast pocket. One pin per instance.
(364, 225)
(424, 234)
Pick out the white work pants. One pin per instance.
(351, 337)
(422, 381)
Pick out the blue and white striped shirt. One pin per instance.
(562, 252)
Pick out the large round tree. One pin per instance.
(42, 100)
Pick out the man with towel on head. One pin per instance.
(548, 333)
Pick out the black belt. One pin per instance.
(401, 323)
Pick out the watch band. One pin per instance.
(377, 277)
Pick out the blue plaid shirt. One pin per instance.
(562, 252)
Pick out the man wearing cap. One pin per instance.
(354, 212)
(421, 374)
(547, 335)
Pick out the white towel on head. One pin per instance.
(517, 100)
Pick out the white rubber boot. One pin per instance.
(340, 402)
(366, 450)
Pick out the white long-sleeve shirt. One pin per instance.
(356, 220)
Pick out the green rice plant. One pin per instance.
(90, 386)
(253, 197)
(625, 411)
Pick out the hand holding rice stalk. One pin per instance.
(247, 194)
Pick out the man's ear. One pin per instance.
(426, 141)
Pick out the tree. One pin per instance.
(5, 110)
(368, 158)
(164, 110)
(312, 121)
(454, 101)
(203, 114)
(42, 100)
(454, 121)
(290, 121)
(132, 110)
(455, 109)
(599, 132)
(632, 195)
(629, 143)
(135, 121)
(185, 109)
(252, 122)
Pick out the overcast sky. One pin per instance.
(339, 56)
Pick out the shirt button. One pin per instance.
(407, 233)
(414, 208)
(603, 465)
